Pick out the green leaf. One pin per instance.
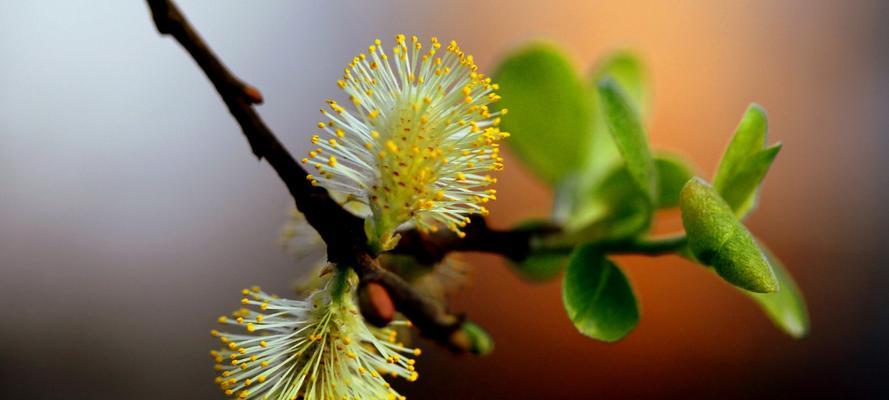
(745, 162)
(618, 210)
(550, 113)
(629, 73)
(741, 191)
(717, 239)
(615, 209)
(787, 308)
(601, 154)
(597, 296)
(672, 173)
(629, 135)
(627, 70)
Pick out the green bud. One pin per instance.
(472, 338)
(718, 239)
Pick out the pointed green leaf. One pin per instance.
(750, 137)
(787, 308)
(745, 162)
(629, 135)
(550, 114)
(601, 154)
(740, 191)
(717, 239)
(629, 73)
(597, 296)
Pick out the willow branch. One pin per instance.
(517, 244)
(514, 244)
(341, 231)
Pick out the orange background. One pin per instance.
(131, 211)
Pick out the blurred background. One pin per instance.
(132, 211)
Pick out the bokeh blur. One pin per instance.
(132, 212)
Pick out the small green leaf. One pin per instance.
(740, 192)
(745, 162)
(629, 135)
(601, 154)
(617, 209)
(672, 172)
(597, 296)
(627, 70)
(550, 114)
(787, 308)
(717, 239)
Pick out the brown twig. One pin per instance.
(513, 244)
(342, 232)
